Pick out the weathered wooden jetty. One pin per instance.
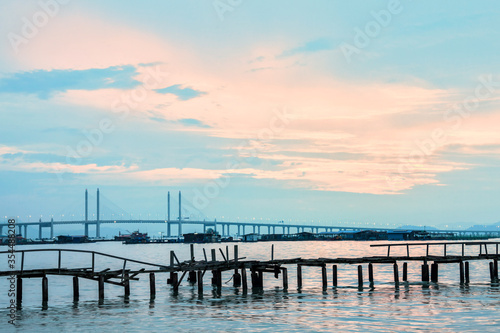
(195, 269)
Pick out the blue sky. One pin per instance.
(253, 111)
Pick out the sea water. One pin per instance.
(445, 306)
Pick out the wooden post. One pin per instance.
(173, 279)
(425, 272)
(299, 277)
(462, 277)
(19, 291)
(495, 268)
(76, 289)
(171, 258)
(272, 252)
(152, 285)
(200, 283)
(467, 279)
(370, 274)
(101, 287)
(219, 281)
(434, 272)
(227, 251)
(492, 275)
(244, 279)
(236, 278)
(192, 277)
(126, 284)
(285, 278)
(405, 271)
(260, 275)
(213, 255)
(334, 271)
(45, 290)
(323, 277)
(191, 249)
(396, 275)
(360, 277)
(236, 253)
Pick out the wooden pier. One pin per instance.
(195, 269)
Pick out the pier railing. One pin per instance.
(93, 262)
(445, 245)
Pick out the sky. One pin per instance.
(359, 113)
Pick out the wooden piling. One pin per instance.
(334, 273)
(370, 274)
(192, 277)
(434, 272)
(396, 274)
(324, 277)
(461, 269)
(467, 279)
(152, 285)
(236, 279)
(45, 289)
(285, 278)
(126, 284)
(191, 250)
(360, 277)
(173, 279)
(495, 268)
(76, 288)
(200, 283)
(405, 271)
(101, 287)
(19, 291)
(236, 253)
(217, 279)
(492, 275)
(213, 255)
(425, 272)
(299, 276)
(272, 251)
(244, 282)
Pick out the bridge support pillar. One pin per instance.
(39, 231)
(87, 229)
(180, 229)
(253, 229)
(25, 231)
(168, 229)
(51, 230)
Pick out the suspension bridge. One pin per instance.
(174, 227)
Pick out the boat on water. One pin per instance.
(135, 237)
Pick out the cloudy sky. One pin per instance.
(381, 112)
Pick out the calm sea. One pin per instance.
(443, 307)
